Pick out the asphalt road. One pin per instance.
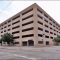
(30, 53)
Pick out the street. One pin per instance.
(30, 53)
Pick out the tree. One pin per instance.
(57, 39)
(7, 37)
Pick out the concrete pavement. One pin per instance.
(30, 53)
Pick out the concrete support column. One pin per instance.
(20, 30)
(44, 41)
(35, 26)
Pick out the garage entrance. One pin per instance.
(47, 42)
(24, 43)
(30, 43)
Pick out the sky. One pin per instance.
(10, 8)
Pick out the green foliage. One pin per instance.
(57, 39)
(7, 37)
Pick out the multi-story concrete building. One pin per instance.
(31, 27)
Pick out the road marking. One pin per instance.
(24, 57)
(19, 55)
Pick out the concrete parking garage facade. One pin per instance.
(31, 27)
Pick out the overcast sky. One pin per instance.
(9, 8)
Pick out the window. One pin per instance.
(40, 35)
(30, 35)
(15, 32)
(56, 27)
(8, 29)
(9, 21)
(46, 25)
(39, 10)
(54, 33)
(50, 19)
(57, 31)
(40, 42)
(16, 22)
(53, 25)
(50, 23)
(16, 37)
(54, 22)
(27, 23)
(51, 32)
(15, 27)
(54, 30)
(47, 31)
(1, 31)
(9, 25)
(40, 22)
(16, 42)
(1, 28)
(51, 28)
(1, 24)
(40, 29)
(45, 20)
(27, 11)
(5, 26)
(5, 23)
(45, 15)
(46, 36)
(40, 16)
(28, 29)
(4, 30)
(51, 37)
(27, 17)
(16, 17)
